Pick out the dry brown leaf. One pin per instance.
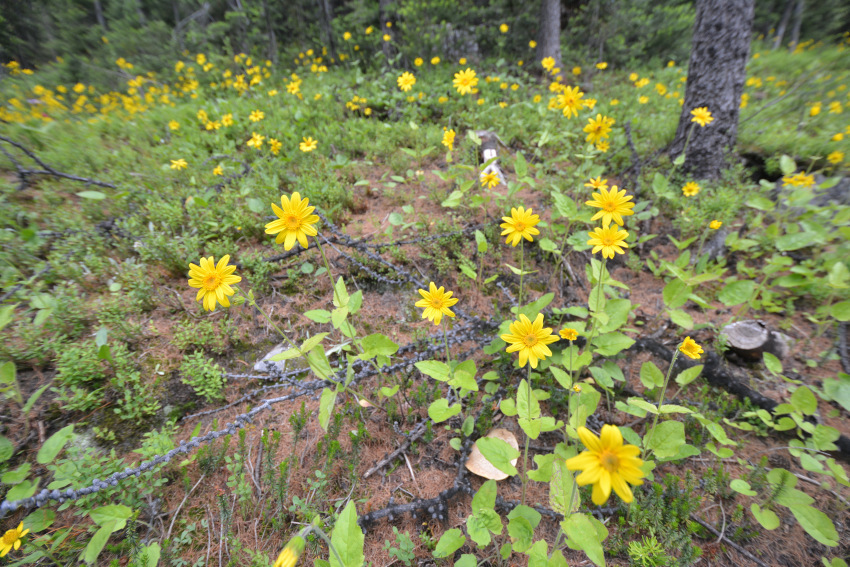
(477, 464)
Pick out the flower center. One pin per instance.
(607, 241)
(10, 537)
(212, 281)
(610, 206)
(519, 226)
(610, 461)
(292, 222)
(530, 340)
(436, 303)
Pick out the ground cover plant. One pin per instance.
(506, 326)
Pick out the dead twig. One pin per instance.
(732, 544)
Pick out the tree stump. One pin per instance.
(751, 339)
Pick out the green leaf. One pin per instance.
(478, 531)
(16, 476)
(485, 498)
(318, 315)
(650, 375)
(378, 344)
(760, 203)
(767, 518)
(838, 390)
(543, 472)
(839, 276)
(742, 487)
(112, 513)
(666, 439)
(435, 369)
(520, 165)
(450, 541)
(689, 375)
(93, 195)
(6, 449)
(54, 445)
(311, 343)
(318, 361)
(787, 165)
(453, 200)
(257, 205)
(841, 311)
(285, 355)
(817, 524)
(440, 411)
(151, 553)
(498, 453)
(737, 292)
(642, 404)
(527, 405)
(610, 344)
(795, 241)
(40, 520)
(326, 407)
(6, 314)
(348, 539)
(467, 560)
(560, 489)
(772, 363)
(804, 401)
(480, 242)
(581, 531)
(341, 296)
(98, 541)
(681, 318)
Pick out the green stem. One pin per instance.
(449, 364)
(253, 303)
(328, 269)
(525, 452)
(521, 272)
(701, 242)
(661, 395)
(687, 140)
(598, 299)
(318, 531)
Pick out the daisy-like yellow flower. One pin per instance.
(568, 334)
(701, 116)
(643, 99)
(607, 464)
(715, 224)
(12, 539)
(256, 116)
(387, 37)
(256, 141)
(369, 30)
(690, 189)
(346, 36)
(835, 157)
(613, 204)
(290, 554)
(418, 61)
(179, 164)
(598, 128)
(173, 125)
(633, 77)
(504, 28)
(548, 63)
(462, 60)
(489, 180)
(295, 221)
(609, 240)
(519, 225)
(838, 137)
(435, 60)
(532, 44)
(218, 170)
(577, 388)
(436, 303)
(602, 65)
(449, 139)
(275, 145)
(690, 348)
(227, 120)
(597, 183)
(569, 101)
(530, 340)
(465, 81)
(603, 147)
(406, 81)
(213, 281)
(308, 145)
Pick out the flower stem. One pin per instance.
(318, 531)
(253, 303)
(449, 364)
(598, 299)
(525, 452)
(661, 395)
(328, 269)
(521, 272)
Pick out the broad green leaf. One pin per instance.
(467, 560)
(440, 411)
(676, 293)
(311, 343)
(112, 513)
(538, 555)
(378, 344)
(642, 404)
(498, 453)
(804, 401)
(348, 539)
(151, 553)
(6, 449)
(450, 541)
(673, 408)
(839, 276)
(485, 498)
(840, 311)
(787, 165)
(520, 165)
(742, 487)
(40, 520)
(318, 315)
(543, 472)
(480, 242)
(681, 318)
(737, 292)
(666, 439)
(650, 375)
(767, 518)
(562, 377)
(527, 405)
(795, 241)
(689, 375)
(326, 407)
(435, 369)
(772, 363)
(54, 445)
(760, 203)
(532, 309)
(582, 533)
(610, 344)
(17, 475)
(618, 314)
(837, 389)
(286, 355)
(478, 531)
(527, 512)
(341, 296)
(319, 364)
(94, 195)
(6, 314)
(817, 524)
(98, 542)
(561, 489)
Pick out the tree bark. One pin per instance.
(549, 34)
(716, 74)
(798, 20)
(98, 11)
(783, 24)
(272, 51)
(326, 17)
(385, 16)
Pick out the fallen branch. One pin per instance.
(24, 173)
(732, 544)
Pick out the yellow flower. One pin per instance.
(406, 81)
(701, 116)
(530, 339)
(602, 65)
(464, 81)
(548, 63)
(256, 141)
(275, 145)
(799, 180)
(609, 240)
(633, 77)
(568, 334)
(532, 44)
(503, 28)
(597, 183)
(613, 204)
(218, 170)
(418, 61)
(435, 60)
(12, 539)
(536, 99)
(256, 116)
(643, 99)
(449, 139)
(179, 164)
(387, 37)
(174, 125)
(835, 157)
(346, 36)
(815, 109)
(295, 221)
(690, 189)
(569, 101)
(598, 128)
(213, 281)
(519, 225)
(227, 120)
(369, 30)
(503, 86)
(489, 180)
(272, 92)
(576, 71)
(715, 224)
(607, 464)
(838, 137)
(615, 101)
(308, 145)
(690, 348)
(602, 147)
(577, 388)
(290, 554)
(462, 61)
(436, 303)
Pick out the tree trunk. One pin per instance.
(98, 12)
(385, 16)
(325, 18)
(549, 34)
(798, 20)
(783, 24)
(140, 13)
(272, 51)
(178, 31)
(716, 74)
